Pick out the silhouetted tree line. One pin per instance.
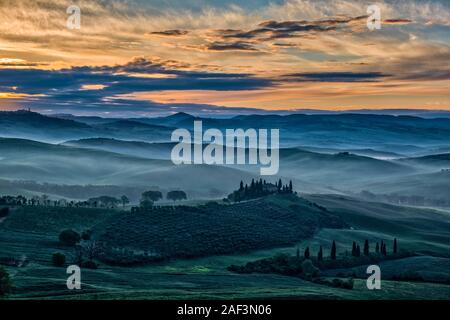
(308, 267)
(148, 198)
(259, 188)
(380, 248)
(74, 191)
(44, 200)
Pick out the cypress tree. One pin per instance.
(366, 247)
(290, 186)
(377, 248)
(358, 250)
(354, 249)
(333, 251)
(307, 253)
(320, 254)
(395, 246)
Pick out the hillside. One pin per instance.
(439, 161)
(417, 229)
(342, 171)
(31, 160)
(434, 185)
(213, 229)
(35, 126)
(134, 148)
(42, 162)
(404, 134)
(207, 277)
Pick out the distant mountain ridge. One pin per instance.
(347, 131)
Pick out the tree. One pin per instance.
(290, 186)
(5, 282)
(307, 253)
(309, 270)
(4, 212)
(354, 249)
(124, 200)
(395, 249)
(176, 195)
(241, 186)
(377, 248)
(86, 235)
(358, 250)
(103, 201)
(146, 203)
(333, 251)
(366, 247)
(69, 237)
(320, 254)
(45, 200)
(92, 250)
(58, 259)
(383, 248)
(152, 196)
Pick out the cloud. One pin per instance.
(397, 21)
(170, 33)
(234, 46)
(337, 76)
(85, 88)
(215, 46)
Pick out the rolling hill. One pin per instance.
(435, 185)
(186, 232)
(436, 161)
(134, 148)
(34, 126)
(42, 162)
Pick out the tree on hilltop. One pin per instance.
(176, 195)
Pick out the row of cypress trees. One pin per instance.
(380, 248)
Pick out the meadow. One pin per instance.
(207, 277)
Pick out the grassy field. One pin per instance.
(33, 233)
(206, 230)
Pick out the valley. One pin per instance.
(356, 178)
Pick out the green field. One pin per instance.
(33, 233)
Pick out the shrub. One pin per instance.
(176, 195)
(86, 235)
(58, 259)
(4, 212)
(5, 282)
(344, 284)
(69, 237)
(309, 270)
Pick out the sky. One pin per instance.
(157, 57)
